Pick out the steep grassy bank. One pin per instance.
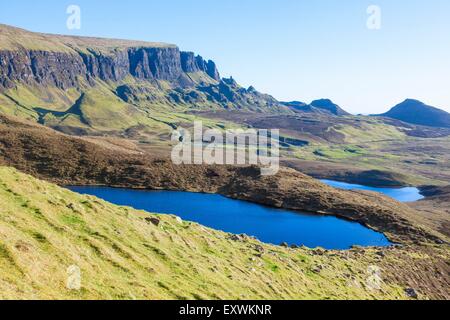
(45, 229)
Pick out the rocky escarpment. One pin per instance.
(48, 68)
(132, 70)
(192, 63)
(65, 69)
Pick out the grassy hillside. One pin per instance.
(99, 109)
(12, 38)
(45, 229)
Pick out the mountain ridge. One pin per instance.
(317, 106)
(63, 61)
(330, 106)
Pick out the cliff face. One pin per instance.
(192, 63)
(47, 65)
(64, 69)
(48, 68)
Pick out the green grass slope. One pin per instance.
(45, 229)
(98, 109)
(12, 38)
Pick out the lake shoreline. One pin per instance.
(268, 224)
(289, 189)
(402, 194)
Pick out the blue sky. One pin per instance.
(292, 49)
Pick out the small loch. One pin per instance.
(269, 225)
(407, 194)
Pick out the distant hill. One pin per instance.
(318, 106)
(299, 106)
(330, 106)
(417, 112)
(161, 257)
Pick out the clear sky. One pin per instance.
(292, 49)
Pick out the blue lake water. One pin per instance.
(401, 194)
(267, 224)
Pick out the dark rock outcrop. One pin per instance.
(114, 67)
(64, 69)
(192, 63)
(229, 94)
(435, 191)
(189, 62)
(44, 67)
(212, 71)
